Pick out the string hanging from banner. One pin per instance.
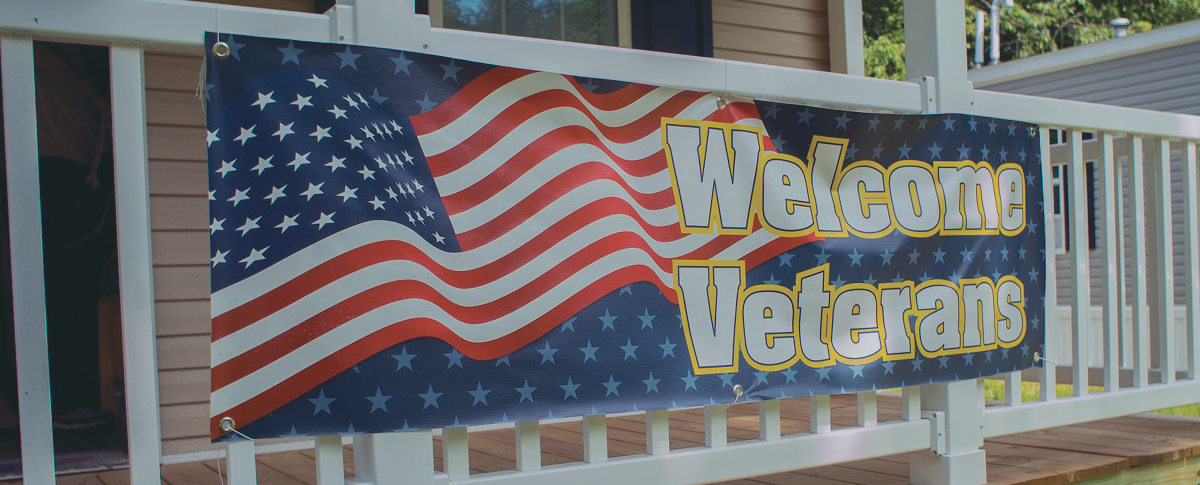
(220, 50)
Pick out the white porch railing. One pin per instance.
(943, 424)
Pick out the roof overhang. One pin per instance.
(1179, 34)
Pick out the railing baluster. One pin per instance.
(134, 259)
(868, 412)
(25, 239)
(981, 392)
(331, 466)
(1141, 310)
(1164, 282)
(595, 438)
(1012, 388)
(716, 434)
(1081, 301)
(1047, 376)
(529, 446)
(1109, 244)
(818, 410)
(1191, 216)
(1120, 177)
(768, 420)
(910, 407)
(239, 457)
(456, 458)
(658, 432)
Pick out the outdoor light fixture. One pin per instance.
(1120, 26)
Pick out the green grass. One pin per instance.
(994, 391)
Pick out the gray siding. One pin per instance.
(1165, 80)
(1096, 276)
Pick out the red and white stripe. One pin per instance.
(558, 196)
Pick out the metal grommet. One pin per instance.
(738, 391)
(220, 50)
(226, 424)
(721, 103)
(1037, 357)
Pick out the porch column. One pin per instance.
(936, 46)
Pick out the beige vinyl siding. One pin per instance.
(179, 237)
(791, 33)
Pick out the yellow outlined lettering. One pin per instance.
(854, 317)
(917, 203)
(979, 313)
(709, 304)
(812, 292)
(710, 162)
(785, 196)
(869, 213)
(896, 303)
(969, 207)
(1010, 306)
(1010, 191)
(771, 331)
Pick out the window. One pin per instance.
(679, 26)
(1059, 137)
(586, 21)
(1060, 193)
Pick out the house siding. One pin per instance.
(790, 33)
(179, 239)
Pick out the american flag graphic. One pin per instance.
(340, 228)
(395, 226)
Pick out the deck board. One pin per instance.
(1060, 455)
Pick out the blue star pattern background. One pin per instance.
(626, 351)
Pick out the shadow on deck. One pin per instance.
(1147, 448)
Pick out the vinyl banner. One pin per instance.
(407, 241)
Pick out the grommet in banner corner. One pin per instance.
(220, 50)
(738, 391)
(226, 425)
(1037, 357)
(721, 102)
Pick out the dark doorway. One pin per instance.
(79, 256)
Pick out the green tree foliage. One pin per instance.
(1031, 27)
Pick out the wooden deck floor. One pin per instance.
(1061, 455)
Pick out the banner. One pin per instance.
(406, 241)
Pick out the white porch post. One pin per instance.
(962, 462)
(846, 37)
(134, 262)
(389, 23)
(25, 240)
(936, 48)
(936, 45)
